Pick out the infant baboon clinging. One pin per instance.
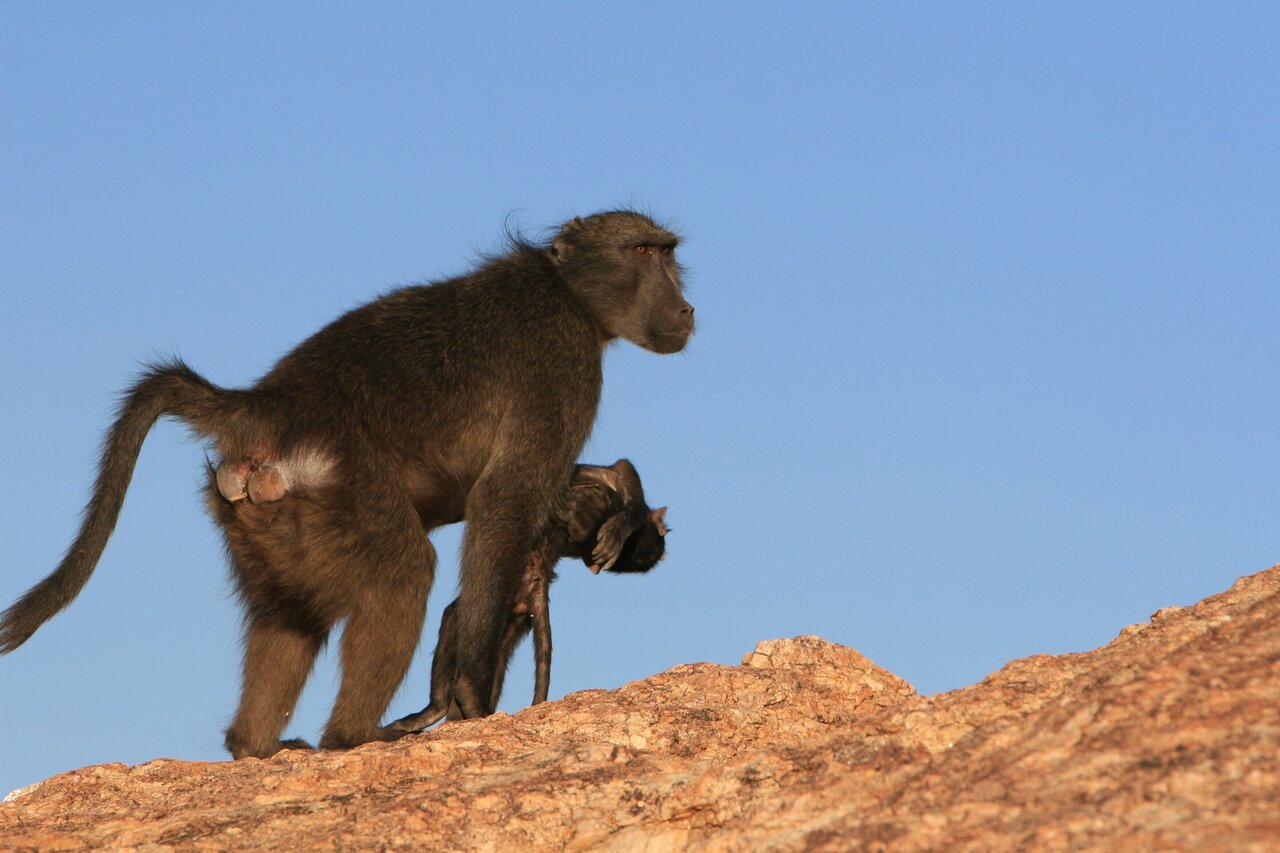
(468, 398)
(600, 498)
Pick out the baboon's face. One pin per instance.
(646, 547)
(662, 319)
(624, 265)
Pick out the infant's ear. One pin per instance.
(659, 518)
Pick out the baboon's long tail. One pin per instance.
(165, 389)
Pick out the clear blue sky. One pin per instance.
(988, 293)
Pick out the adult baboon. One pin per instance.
(603, 501)
(470, 397)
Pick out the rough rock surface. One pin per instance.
(1167, 738)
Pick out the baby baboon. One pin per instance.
(467, 398)
(600, 499)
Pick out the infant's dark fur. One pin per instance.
(607, 524)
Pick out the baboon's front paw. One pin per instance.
(391, 733)
(609, 543)
(417, 722)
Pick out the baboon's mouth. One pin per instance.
(669, 342)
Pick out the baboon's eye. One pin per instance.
(642, 249)
(666, 250)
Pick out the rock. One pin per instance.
(1167, 738)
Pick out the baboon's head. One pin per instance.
(624, 266)
(646, 547)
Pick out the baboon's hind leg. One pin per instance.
(396, 564)
(278, 656)
(377, 647)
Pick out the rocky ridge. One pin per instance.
(1166, 738)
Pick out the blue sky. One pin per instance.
(987, 363)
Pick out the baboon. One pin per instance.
(468, 398)
(599, 498)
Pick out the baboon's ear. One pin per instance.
(559, 248)
(562, 245)
(659, 518)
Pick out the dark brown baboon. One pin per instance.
(600, 499)
(468, 398)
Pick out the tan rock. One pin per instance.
(1167, 738)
